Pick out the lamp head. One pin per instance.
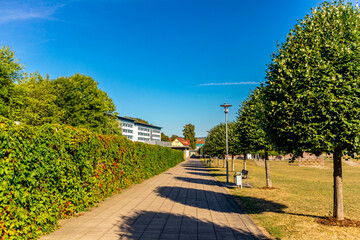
(226, 107)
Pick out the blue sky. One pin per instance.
(170, 62)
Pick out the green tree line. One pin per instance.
(33, 99)
(310, 101)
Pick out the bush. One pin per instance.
(54, 171)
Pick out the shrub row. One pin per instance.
(54, 171)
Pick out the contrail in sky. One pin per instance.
(26, 10)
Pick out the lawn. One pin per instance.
(301, 196)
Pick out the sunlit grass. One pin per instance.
(301, 195)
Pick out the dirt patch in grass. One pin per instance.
(330, 221)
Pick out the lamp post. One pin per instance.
(209, 132)
(226, 110)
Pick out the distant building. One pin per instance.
(183, 145)
(180, 143)
(200, 142)
(139, 132)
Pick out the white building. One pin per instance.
(139, 132)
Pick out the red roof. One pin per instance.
(200, 141)
(184, 142)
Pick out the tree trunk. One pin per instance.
(232, 163)
(244, 167)
(338, 212)
(267, 170)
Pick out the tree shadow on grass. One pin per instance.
(253, 205)
(158, 225)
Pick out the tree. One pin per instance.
(10, 72)
(189, 134)
(173, 137)
(215, 143)
(85, 105)
(244, 127)
(34, 101)
(312, 93)
(250, 124)
(164, 138)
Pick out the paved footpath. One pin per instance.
(185, 202)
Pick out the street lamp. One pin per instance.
(209, 132)
(226, 110)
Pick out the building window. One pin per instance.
(127, 125)
(156, 136)
(127, 131)
(144, 129)
(156, 131)
(143, 139)
(143, 134)
(129, 137)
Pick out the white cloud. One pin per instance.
(26, 10)
(227, 83)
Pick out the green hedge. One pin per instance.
(54, 171)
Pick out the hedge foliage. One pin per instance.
(54, 171)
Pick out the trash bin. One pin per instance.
(238, 179)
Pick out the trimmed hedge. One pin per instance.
(54, 171)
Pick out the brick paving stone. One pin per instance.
(185, 202)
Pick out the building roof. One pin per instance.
(147, 125)
(184, 142)
(125, 118)
(138, 123)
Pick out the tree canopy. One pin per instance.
(164, 138)
(250, 129)
(312, 93)
(173, 137)
(84, 104)
(215, 143)
(10, 72)
(189, 134)
(34, 101)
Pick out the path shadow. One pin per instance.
(198, 181)
(207, 174)
(204, 199)
(192, 164)
(158, 225)
(201, 169)
(215, 201)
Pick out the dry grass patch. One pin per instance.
(300, 197)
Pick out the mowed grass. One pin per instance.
(301, 195)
